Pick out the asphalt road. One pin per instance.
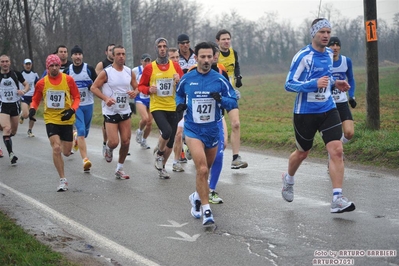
(147, 221)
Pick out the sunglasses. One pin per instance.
(183, 43)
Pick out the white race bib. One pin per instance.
(321, 95)
(203, 110)
(84, 92)
(164, 87)
(55, 99)
(8, 96)
(121, 101)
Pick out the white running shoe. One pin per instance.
(159, 162)
(104, 150)
(195, 206)
(163, 174)
(30, 134)
(177, 167)
(139, 136)
(108, 154)
(288, 190)
(120, 174)
(13, 159)
(144, 145)
(341, 204)
(63, 185)
(208, 218)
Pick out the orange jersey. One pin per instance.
(59, 93)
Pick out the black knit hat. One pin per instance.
(334, 40)
(76, 50)
(182, 37)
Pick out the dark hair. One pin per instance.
(223, 31)
(60, 46)
(204, 45)
(116, 47)
(316, 20)
(111, 44)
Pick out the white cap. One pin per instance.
(27, 60)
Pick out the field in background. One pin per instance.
(266, 118)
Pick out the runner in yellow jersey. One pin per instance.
(159, 80)
(229, 58)
(61, 100)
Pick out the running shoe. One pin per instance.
(104, 149)
(139, 136)
(341, 204)
(238, 163)
(30, 134)
(63, 185)
(120, 174)
(177, 167)
(75, 141)
(183, 158)
(208, 218)
(188, 155)
(159, 162)
(163, 174)
(108, 154)
(144, 145)
(21, 120)
(288, 190)
(13, 158)
(156, 149)
(214, 198)
(86, 165)
(195, 206)
(1, 153)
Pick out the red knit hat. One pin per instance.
(52, 60)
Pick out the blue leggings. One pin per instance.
(83, 119)
(217, 165)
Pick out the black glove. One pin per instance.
(216, 96)
(32, 113)
(238, 81)
(352, 102)
(181, 107)
(67, 114)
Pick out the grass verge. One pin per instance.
(19, 248)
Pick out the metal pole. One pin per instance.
(127, 32)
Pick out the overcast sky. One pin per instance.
(298, 10)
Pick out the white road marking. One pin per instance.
(81, 230)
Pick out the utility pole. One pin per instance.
(27, 23)
(372, 84)
(127, 32)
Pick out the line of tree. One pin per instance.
(264, 45)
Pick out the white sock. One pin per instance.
(289, 179)
(205, 207)
(337, 192)
(344, 140)
(119, 166)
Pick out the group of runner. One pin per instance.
(187, 101)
